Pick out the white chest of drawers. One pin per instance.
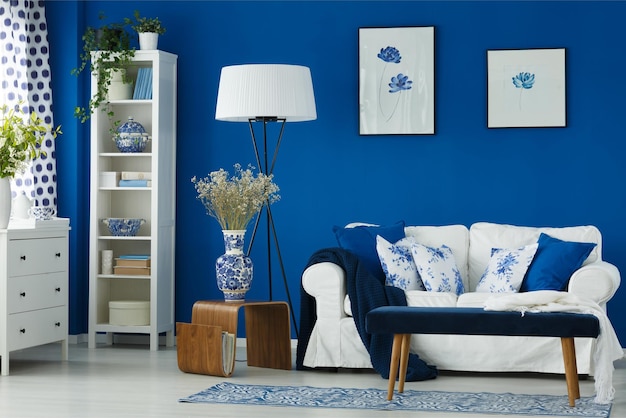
(33, 287)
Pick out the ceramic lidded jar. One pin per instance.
(131, 136)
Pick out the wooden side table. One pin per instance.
(268, 336)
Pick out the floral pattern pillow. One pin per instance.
(397, 263)
(506, 269)
(437, 269)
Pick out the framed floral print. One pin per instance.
(526, 88)
(397, 81)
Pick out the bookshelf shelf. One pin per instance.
(123, 276)
(126, 154)
(153, 200)
(139, 188)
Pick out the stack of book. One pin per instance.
(143, 85)
(135, 179)
(131, 264)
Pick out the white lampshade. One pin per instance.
(265, 90)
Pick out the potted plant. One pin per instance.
(107, 53)
(148, 29)
(233, 201)
(21, 136)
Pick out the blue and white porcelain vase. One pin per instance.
(234, 268)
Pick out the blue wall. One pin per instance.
(328, 174)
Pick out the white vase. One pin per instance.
(233, 268)
(5, 202)
(148, 40)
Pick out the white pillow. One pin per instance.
(506, 269)
(397, 263)
(437, 268)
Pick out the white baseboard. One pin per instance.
(140, 339)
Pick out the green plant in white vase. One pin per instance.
(146, 24)
(21, 136)
(107, 53)
(148, 28)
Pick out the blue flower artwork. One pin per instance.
(526, 88)
(396, 80)
(390, 54)
(398, 83)
(523, 81)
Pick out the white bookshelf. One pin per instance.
(155, 204)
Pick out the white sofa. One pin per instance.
(335, 342)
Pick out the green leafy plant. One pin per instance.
(146, 24)
(234, 200)
(21, 136)
(105, 50)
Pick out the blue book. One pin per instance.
(148, 91)
(135, 183)
(134, 257)
(141, 75)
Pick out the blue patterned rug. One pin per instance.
(432, 401)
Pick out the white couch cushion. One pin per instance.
(484, 236)
(425, 299)
(506, 269)
(476, 299)
(430, 299)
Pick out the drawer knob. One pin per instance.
(57, 324)
(58, 255)
(23, 330)
(23, 257)
(58, 289)
(23, 294)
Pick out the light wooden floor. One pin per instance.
(132, 381)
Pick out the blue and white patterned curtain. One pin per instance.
(25, 78)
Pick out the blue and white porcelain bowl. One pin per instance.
(124, 227)
(132, 142)
(131, 137)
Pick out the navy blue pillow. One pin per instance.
(361, 241)
(554, 263)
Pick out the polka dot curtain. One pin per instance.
(25, 78)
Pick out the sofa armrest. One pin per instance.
(326, 282)
(596, 281)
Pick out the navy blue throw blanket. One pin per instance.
(366, 293)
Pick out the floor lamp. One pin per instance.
(266, 94)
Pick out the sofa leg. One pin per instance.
(571, 370)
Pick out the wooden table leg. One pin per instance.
(393, 364)
(268, 335)
(571, 370)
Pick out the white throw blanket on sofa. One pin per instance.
(607, 349)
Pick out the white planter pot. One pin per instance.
(5, 202)
(148, 40)
(118, 90)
